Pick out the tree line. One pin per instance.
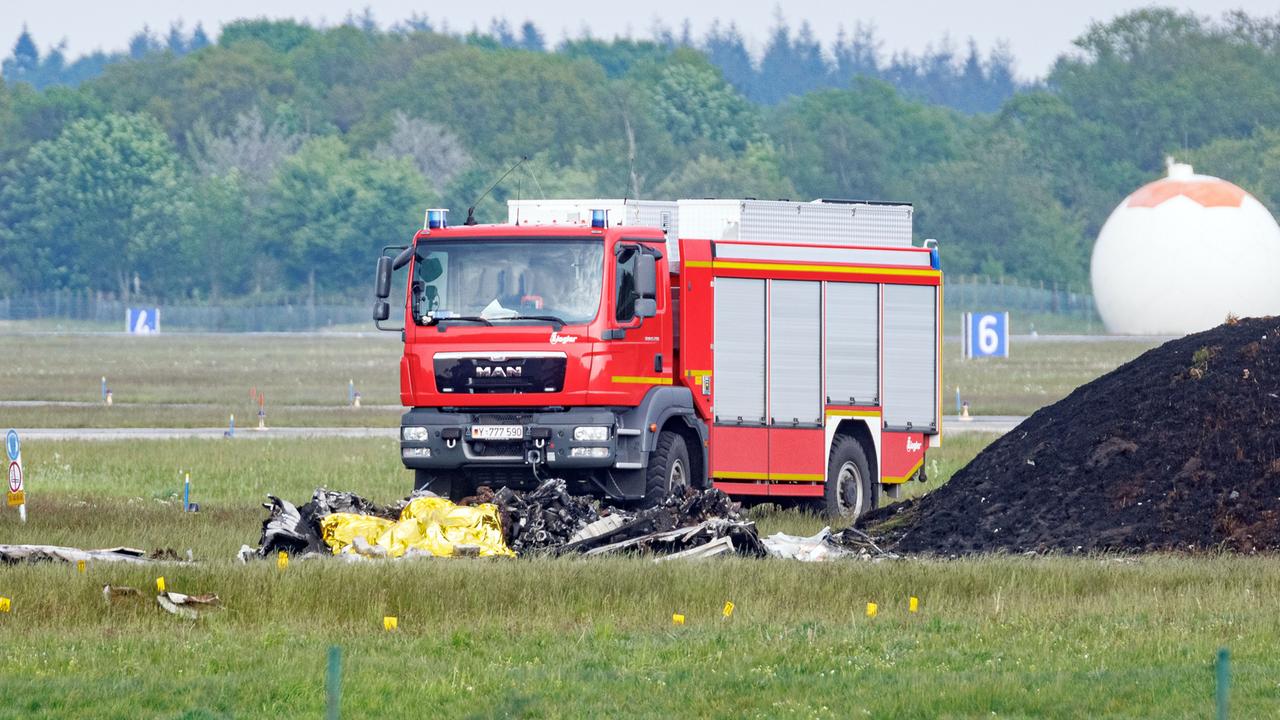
(280, 158)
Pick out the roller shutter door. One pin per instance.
(739, 351)
(795, 353)
(853, 343)
(910, 356)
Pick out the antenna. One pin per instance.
(535, 182)
(631, 175)
(471, 211)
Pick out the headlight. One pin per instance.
(416, 452)
(410, 433)
(589, 452)
(591, 433)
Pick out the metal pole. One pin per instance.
(1224, 682)
(333, 683)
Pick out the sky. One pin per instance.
(1036, 31)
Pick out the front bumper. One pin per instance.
(548, 440)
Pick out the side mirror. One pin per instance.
(381, 310)
(403, 258)
(382, 279)
(647, 277)
(646, 307)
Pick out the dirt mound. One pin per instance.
(1177, 450)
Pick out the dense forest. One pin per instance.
(279, 157)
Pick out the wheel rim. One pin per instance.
(849, 489)
(676, 477)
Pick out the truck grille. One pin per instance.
(512, 374)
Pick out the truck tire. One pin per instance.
(445, 484)
(849, 490)
(668, 468)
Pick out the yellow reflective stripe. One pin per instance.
(845, 269)
(796, 477)
(641, 380)
(694, 373)
(904, 478)
(782, 477)
(853, 413)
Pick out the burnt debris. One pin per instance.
(546, 520)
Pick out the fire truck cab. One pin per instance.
(779, 351)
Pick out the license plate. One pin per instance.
(497, 432)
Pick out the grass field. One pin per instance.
(199, 380)
(575, 638)
(557, 638)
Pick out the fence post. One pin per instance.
(1224, 681)
(333, 684)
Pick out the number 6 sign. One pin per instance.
(986, 334)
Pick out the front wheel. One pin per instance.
(850, 491)
(668, 468)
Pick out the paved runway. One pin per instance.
(218, 433)
(999, 424)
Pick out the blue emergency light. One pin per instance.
(437, 219)
(598, 218)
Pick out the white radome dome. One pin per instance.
(1180, 254)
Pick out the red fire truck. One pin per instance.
(777, 350)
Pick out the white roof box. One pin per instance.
(648, 213)
(830, 222)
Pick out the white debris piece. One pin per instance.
(815, 548)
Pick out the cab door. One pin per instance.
(639, 338)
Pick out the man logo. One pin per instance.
(498, 371)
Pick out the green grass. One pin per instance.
(1036, 373)
(1020, 637)
(220, 369)
(553, 638)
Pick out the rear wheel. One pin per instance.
(849, 491)
(668, 468)
(445, 484)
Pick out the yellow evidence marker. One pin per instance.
(390, 622)
(872, 609)
(677, 619)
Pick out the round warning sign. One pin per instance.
(15, 477)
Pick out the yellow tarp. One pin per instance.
(429, 524)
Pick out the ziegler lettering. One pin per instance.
(498, 371)
(558, 339)
(913, 445)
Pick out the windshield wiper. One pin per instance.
(549, 318)
(466, 318)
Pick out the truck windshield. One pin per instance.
(507, 281)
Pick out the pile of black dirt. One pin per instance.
(1178, 450)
